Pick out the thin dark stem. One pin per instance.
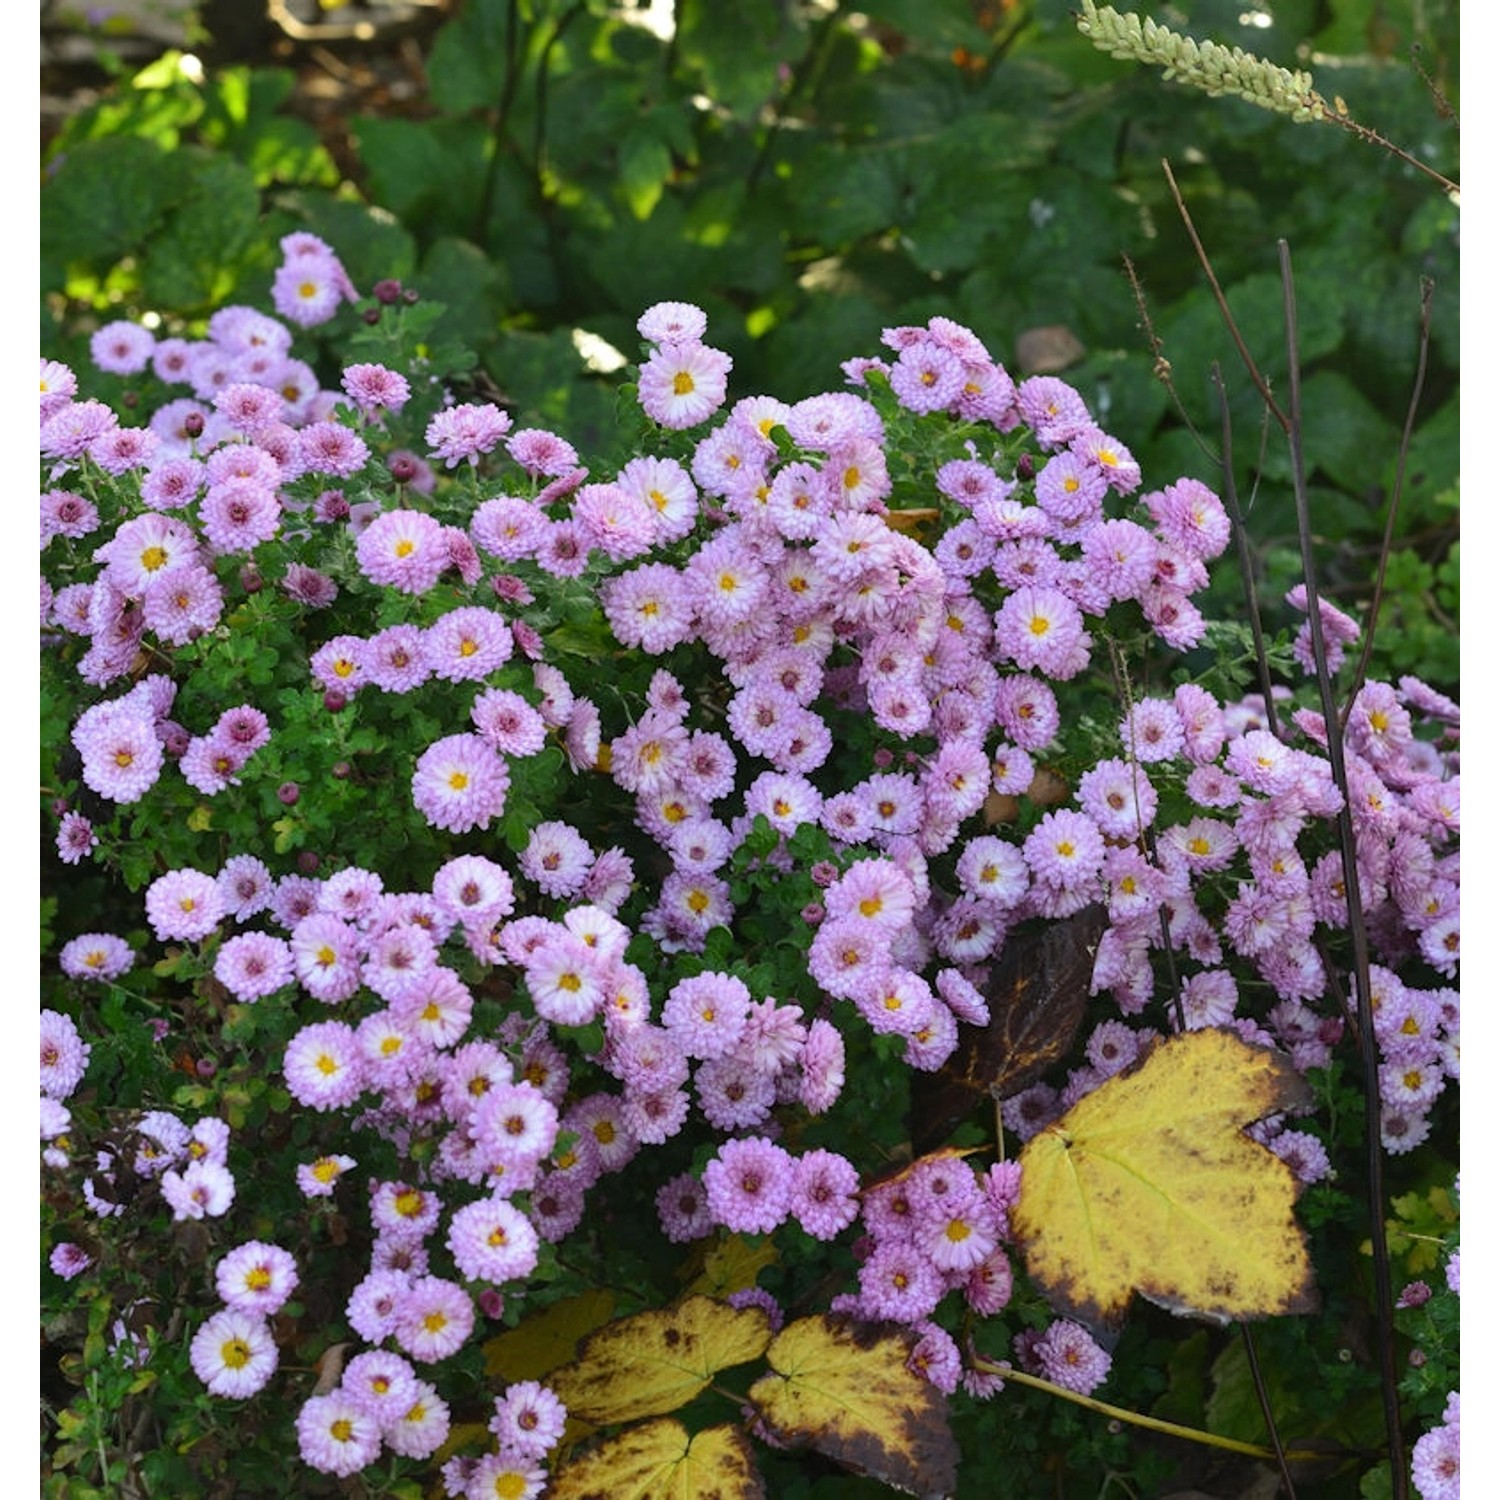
(502, 118)
(804, 78)
(539, 134)
(1264, 1398)
(1375, 1161)
(1224, 312)
(1242, 549)
(1388, 540)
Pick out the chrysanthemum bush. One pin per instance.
(484, 877)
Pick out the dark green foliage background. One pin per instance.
(811, 175)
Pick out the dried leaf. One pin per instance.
(1037, 999)
(1046, 350)
(657, 1461)
(539, 1344)
(842, 1387)
(330, 1368)
(1150, 1184)
(658, 1361)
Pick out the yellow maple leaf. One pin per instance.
(657, 1361)
(656, 1460)
(842, 1387)
(1149, 1184)
(733, 1265)
(538, 1344)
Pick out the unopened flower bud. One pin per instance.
(287, 793)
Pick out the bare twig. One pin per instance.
(1366, 1038)
(1388, 540)
(1242, 550)
(1269, 1417)
(1256, 377)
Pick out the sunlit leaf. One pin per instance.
(842, 1388)
(658, 1361)
(658, 1461)
(1150, 1184)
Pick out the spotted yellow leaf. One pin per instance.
(1149, 1184)
(657, 1460)
(842, 1388)
(658, 1361)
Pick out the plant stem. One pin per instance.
(1138, 1419)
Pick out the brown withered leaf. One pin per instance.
(1047, 350)
(1037, 999)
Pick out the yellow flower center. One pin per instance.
(234, 1354)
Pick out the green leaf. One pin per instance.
(645, 164)
(104, 201)
(197, 259)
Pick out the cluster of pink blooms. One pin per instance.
(782, 563)
(527, 1424)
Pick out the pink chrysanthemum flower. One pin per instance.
(1026, 709)
(683, 383)
(336, 1435)
(1065, 850)
(202, 1190)
(253, 964)
(749, 1185)
(184, 904)
(460, 783)
(434, 1319)
(492, 1240)
(466, 432)
(395, 659)
(422, 1428)
(650, 607)
(927, 377)
(96, 955)
(672, 323)
(682, 1207)
(899, 1282)
(122, 348)
(403, 549)
(375, 389)
(556, 859)
(529, 1419)
(1152, 730)
(68, 433)
(121, 449)
(64, 1055)
(667, 489)
(233, 1353)
(467, 644)
(322, 1066)
(707, 1013)
(58, 385)
(562, 975)
(256, 1278)
(825, 1193)
(1068, 1356)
